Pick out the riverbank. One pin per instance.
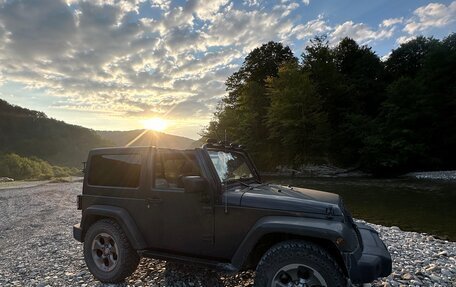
(33, 183)
(312, 171)
(419, 259)
(324, 171)
(433, 175)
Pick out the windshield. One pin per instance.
(230, 165)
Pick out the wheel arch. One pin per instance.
(97, 212)
(271, 230)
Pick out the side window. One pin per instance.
(171, 167)
(118, 170)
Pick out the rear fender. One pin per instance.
(95, 212)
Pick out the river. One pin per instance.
(412, 205)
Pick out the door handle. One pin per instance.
(153, 200)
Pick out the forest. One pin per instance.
(30, 133)
(342, 105)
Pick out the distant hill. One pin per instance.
(32, 133)
(198, 143)
(146, 138)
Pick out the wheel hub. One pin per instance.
(104, 252)
(298, 275)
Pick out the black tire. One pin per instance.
(298, 252)
(127, 259)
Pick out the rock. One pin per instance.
(407, 276)
(442, 253)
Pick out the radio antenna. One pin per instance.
(224, 185)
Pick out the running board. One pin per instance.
(227, 267)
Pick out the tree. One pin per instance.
(244, 109)
(436, 75)
(408, 59)
(395, 143)
(415, 128)
(363, 72)
(349, 81)
(296, 118)
(344, 106)
(261, 63)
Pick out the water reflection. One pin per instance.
(413, 205)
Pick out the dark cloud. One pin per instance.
(37, 32)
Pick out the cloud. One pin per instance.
(306, 2)
(404, 39)
(36, 32)
(247, 29)
(384, 58)
(360, 32)
(431, 16)
(391, 21)
(251, 3)
(206, 10)
(311, 28)
(286, 8)
(110, 57)
(162, 4)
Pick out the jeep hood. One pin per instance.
(294, 199)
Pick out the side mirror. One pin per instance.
(193, 184)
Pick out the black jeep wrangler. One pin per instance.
(209, 206)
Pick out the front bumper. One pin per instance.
(77, 232)
(373, 261)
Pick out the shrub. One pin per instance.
(18, 167)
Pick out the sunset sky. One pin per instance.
(111, 65)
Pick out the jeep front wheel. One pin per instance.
(108, 253)
(298, 263)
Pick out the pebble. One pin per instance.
(419, 259)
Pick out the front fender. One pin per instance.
(299, 226)
(94, 212)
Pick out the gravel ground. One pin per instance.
(37, 249)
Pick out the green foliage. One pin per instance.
(415, 129)
(344, 106)
(17, 167)
(396, 142)
(31, 133)
(409, 58)
(296, 118)
(242, 114)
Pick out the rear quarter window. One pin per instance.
(117, 170)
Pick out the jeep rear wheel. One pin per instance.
(298, 264)
(108, 253)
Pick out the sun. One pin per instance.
(155, 124)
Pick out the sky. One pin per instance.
(110, 65)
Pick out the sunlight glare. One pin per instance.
(155, 124)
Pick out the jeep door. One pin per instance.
(120, 178)
(184, 221)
